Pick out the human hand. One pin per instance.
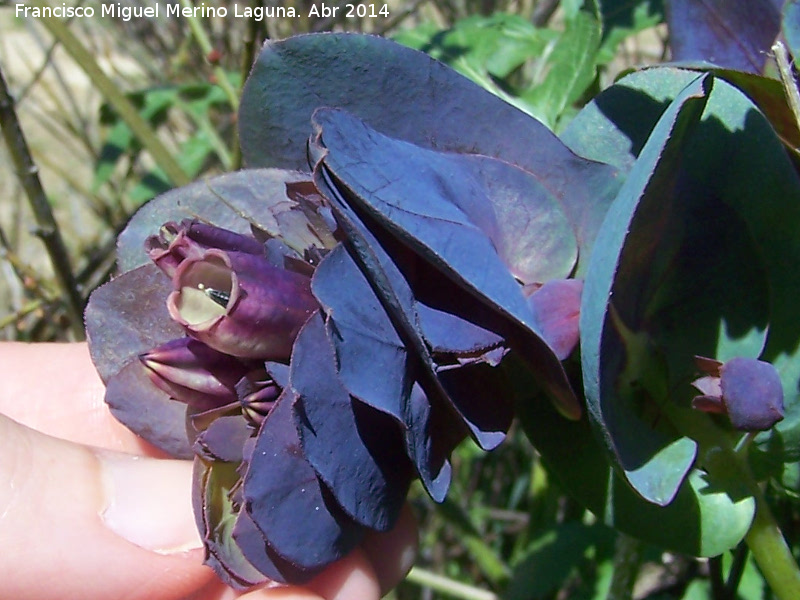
(89, 510)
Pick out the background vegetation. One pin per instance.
(116, 112)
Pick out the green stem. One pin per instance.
(248, 58)
(448, 586)
(21, 313)
(47, 228)
(787, 78)
(736, 571)
(724, 464)
(627, 560)
(771, 552)
(116, 98)
(204, 42)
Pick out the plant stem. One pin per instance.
(447, 586)
(204, 42)
(47, 228)
(771, 552)
(787, 78)
(111, 92)
(736, 571)
(765, 540)
(722, 589)
(249, 54)
(718, 590)
(627, 560)
(21, 313)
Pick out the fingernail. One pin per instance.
(148, 502)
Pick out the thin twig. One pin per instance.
(249, 57)
(718, 589)
(736, 571)
(48, 231)
(16, 317)
(627, 560)
(204, 42)
(116, 98)
(543, 11)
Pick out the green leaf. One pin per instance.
(617, 364)
(503, 53)
(613, 127)
(552, 557)
(197, 100)
(624, 18)
(735, 192)
(215, 515)
(572, 68)
(702, 520)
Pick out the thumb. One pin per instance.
(93, 524)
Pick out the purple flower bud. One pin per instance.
(749, 391)
(191, 372)
(257, 395)
(753, 393)
(188, 239)
(240, 304)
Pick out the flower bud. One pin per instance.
(191, 372)
(177, 242)
(749, 391)
(257, 395)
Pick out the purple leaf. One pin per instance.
(447, 333)
(557, 308)
(255, 549)
(483, 397)
(286, 500)
(356, 450)
(147, 411)
(379, 182)
(497, 209)
(128, 317)
(238, 201)
(360, 327)
(735, 35)
(224, 439)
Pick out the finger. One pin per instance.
(81, 415)
(392, 554)
(55, 389)
(77, 523)
(351, 577)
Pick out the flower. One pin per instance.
(229, 296)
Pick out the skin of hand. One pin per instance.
(90, 511)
